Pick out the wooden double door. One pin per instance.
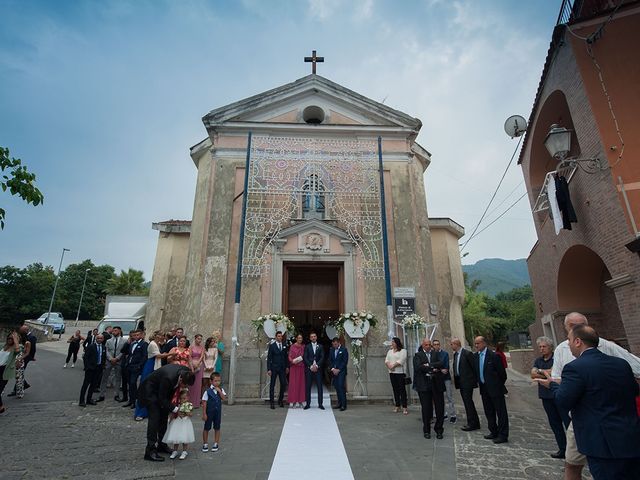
(313, 294)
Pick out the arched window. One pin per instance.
(313, 198)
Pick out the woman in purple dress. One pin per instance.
(296, 393)
(197, 357)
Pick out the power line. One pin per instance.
(498, 217)
(494, 194)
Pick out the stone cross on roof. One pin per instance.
(313, 59)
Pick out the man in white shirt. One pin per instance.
(575, 461)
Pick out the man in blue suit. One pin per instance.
(338, 359)
(277, 367)
(492, 377)
(313, 360)
(600, 392)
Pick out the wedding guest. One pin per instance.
(135, 363)
(74, 347)
(338, 360)
(210, 357)
(196, 352)
(297, 386)
(558, 419)
(180, 354)
(21, 361)
(171, 341)
(396, 362)
(90, 338)
(157, 395)
(180, 429)
(217, 336)
(500, 352)
(450, 410)
(212, 412)
(28, 343)
(154, 361)
(95, 357)
(8, 356)
(314, 361)
(126, 350)
(277, 367)
(112, 374)
(429, 384)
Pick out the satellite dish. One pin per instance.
(515, 126)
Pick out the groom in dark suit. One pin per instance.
(600, 392)
(277, 367)
(313, 359)
(338, 359)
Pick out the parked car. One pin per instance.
(56, 320)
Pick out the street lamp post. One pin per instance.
(82, 295)
(55, 285)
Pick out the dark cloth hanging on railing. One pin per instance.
(564, 202)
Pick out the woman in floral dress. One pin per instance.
(180, 355)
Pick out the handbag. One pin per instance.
(407, 380)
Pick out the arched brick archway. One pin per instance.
(554, 110)
(581, 287)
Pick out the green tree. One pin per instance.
(18, 180)
(25, 293)
(70, 289)
(130, 282)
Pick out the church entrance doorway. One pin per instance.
(313, 295)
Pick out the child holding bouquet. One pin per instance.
(180, 428)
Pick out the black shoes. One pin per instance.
(82, 404)
(281, 404)
(127, 405)
(469, 428)
(491, 436)
(500, 440)
(342, 409)
(120, 400)
(439, 436)
(307, 407)
(272, 406)
(453, 420)
(101, 399)
(153, 457)
(91, 402)
(337, 407)
(427, 435)
(558, 454)
(164, 448)
(320, 407)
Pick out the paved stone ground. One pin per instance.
(46, 435)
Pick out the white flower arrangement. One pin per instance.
(413, 321)
(258, 323)
(186, 407)
(358, 319)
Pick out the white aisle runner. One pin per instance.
(311, 446)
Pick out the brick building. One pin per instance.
(589, 86)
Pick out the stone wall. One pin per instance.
(522, 360)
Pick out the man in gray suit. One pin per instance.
(113, 366)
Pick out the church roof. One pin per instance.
(316, 84)
(173, 226)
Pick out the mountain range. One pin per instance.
(498, 275)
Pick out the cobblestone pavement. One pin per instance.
(526, 455)
(57, 439)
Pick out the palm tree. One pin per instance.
(130, 282)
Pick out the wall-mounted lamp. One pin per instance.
(558, 144)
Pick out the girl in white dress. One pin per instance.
(180, 429)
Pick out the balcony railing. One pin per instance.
(542, 202)
(575, 10)
(566, 9)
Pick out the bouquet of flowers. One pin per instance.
(413, 321)
(186, 407)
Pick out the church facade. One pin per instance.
(312, 235)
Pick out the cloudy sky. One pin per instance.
(102, 99)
